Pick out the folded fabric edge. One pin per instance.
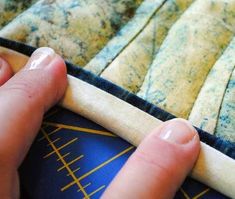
(220, 144)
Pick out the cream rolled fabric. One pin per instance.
(212, 167)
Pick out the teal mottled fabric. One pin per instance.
(176, 54)
(226, 122)
(11, 8)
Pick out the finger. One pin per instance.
(5, 71)
(159, 165)
(25, 98)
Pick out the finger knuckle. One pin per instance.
(140, 157)
(23, 89)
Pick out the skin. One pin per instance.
(160, 163)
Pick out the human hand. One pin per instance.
(24, 98)
(159, 165)
(155, 170)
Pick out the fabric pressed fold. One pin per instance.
(186, 56)
(226, 123)
(130, 67)
(206, 109)
(75, 29)
(125, 36)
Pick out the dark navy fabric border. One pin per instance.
(224, 146)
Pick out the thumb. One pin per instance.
(159, 165)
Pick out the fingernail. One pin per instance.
(40, 58)
(178, 131)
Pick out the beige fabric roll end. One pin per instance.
(216, 170)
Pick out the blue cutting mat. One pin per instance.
(73, 157)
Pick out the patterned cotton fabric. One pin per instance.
(176, 54)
